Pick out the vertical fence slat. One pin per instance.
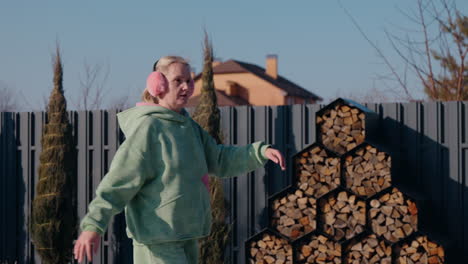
(3, 189)
(97, 175)
(37, 119)
(260, 180)
(243, 183)
(312, 132)
(17, 189)
(233, 118)
(296, 133)
(4, 251)
(409, 145)
(453, 183)
(24, 192)
(278, 179)
(464, 164)
(9, 199)
(82, 164)
(225, 125)
(430, 158)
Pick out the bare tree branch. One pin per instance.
(93, 88)
(125, 101)
(33, 107)
(426, 46)
(373, 95)
(379, 52)
(8, 100)
(441, 71)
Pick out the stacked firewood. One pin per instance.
(369, 250)
(270, 250)
(294, 214)
(420, 251)
(343, 216)
(367, 171)
(342, 128)
(319, 249)
(318, 173)
(346, 176)
(393, 216)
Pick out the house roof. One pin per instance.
(223, 100)
(235, 66)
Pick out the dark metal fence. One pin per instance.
(428, 142)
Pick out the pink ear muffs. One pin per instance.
(156, 83)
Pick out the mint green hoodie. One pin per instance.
(156, 175)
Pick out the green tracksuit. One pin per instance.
(156, 175)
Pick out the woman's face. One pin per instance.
(178, 78)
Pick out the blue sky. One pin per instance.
(316, 43)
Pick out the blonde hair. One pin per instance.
(162, 65)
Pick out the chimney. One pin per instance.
(232, 88)
(272, 66)
(216, 63)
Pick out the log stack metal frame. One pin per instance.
(339, 195)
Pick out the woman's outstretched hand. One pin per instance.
(275, 156)
(87, 243)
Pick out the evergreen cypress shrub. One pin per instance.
(207, 115)
(53, 222)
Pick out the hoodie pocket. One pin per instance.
(168, 201)
(179, 215)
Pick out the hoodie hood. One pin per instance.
(131, 118)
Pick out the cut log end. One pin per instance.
(342, 128)
(317, 173)
(294, 214)
(391, 216)
(369, 250)
(420, 250)
(269, 249)
(343, 216)
(367, 171)
(319, 249)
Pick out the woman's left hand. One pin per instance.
(275, 156)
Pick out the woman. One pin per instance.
(159, 173)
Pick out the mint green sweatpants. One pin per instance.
(180, 252)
